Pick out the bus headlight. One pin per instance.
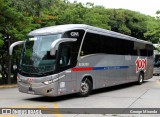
(50, 81)
(18, 79)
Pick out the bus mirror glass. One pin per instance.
(13, 45)
(14, 67)
(55, 44)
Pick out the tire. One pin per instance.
(140, 79)
(85, 88)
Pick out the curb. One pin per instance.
(8, 86)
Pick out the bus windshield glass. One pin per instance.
(157, 60)
(36, 58)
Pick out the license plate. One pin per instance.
(31, 92)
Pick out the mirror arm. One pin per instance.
(56, 43)
(13, 45)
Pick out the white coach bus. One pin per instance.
(78, 58)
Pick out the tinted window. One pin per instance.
(150, 49)
(91, 44)
(147, 50)
(94, 43)
(143, 52)
(108, 45)
(150, 52)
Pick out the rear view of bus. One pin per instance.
(77, 58)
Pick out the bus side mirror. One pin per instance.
(15, 67)
(55, 44)
(13, 45)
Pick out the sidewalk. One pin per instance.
(8, 86)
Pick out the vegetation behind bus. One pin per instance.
(19, 17)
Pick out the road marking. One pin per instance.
(8, 115)
(27, 106)
(55, 106)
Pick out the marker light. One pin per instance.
(18, 77)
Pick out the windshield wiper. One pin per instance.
(31, 70)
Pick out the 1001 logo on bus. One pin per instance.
(141, 64)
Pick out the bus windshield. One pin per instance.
(157, 60)
(36, 58)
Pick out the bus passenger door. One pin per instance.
(66, 81)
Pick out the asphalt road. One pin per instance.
(129, 95)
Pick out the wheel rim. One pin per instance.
(141, 79)
(84, 87)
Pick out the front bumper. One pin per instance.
(39, 88)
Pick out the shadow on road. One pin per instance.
(53, 99)
(73, 96)
(117, 87)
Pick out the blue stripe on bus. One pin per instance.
(110, 67)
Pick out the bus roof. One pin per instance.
(67, 27)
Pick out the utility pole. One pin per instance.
(9, 68)
(9, 62)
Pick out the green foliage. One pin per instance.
(14, 26)
(153, 30)
(128, 22)
(1, 41)
(157, 48)
(18, 17)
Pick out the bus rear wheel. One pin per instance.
(140, 79)
(85, 88)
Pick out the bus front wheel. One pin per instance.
(85, 88)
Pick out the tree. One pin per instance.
(128, 22)
(153, 29)
(14, 26)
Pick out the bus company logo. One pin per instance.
(141, 64)
(74, 34)
(30, 79)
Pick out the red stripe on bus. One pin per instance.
(82, 69)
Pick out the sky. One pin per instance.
(148, 7)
